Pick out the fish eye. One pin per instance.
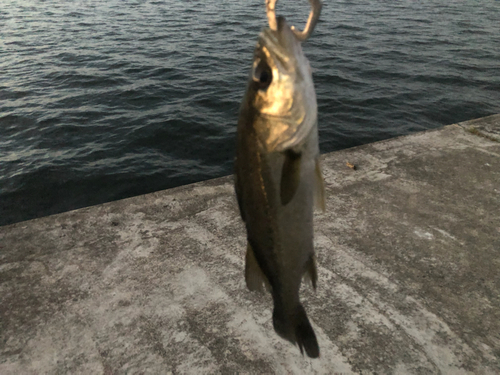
(262, 75)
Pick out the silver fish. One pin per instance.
(277, 173)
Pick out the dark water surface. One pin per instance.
(105, 99)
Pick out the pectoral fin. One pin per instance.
(254, 276)
(319, 188)
(290, 176)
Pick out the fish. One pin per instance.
(278, 179)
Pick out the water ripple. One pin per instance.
(100, 100)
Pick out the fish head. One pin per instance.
(281, 90)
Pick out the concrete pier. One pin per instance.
(409, 273)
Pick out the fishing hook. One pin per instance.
(311, 21)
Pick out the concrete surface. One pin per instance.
(409, 281)
(488, 127)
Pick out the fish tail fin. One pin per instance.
(306, 338)
(296, 328)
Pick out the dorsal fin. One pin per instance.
(319, 188)
(254, 276)
(239, 196)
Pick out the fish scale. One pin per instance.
(277, 174)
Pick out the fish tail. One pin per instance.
(295, 327)
(306, 338)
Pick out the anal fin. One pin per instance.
(311, 271)
(254, 277)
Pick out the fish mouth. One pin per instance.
(288, 109)
(282, 43)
